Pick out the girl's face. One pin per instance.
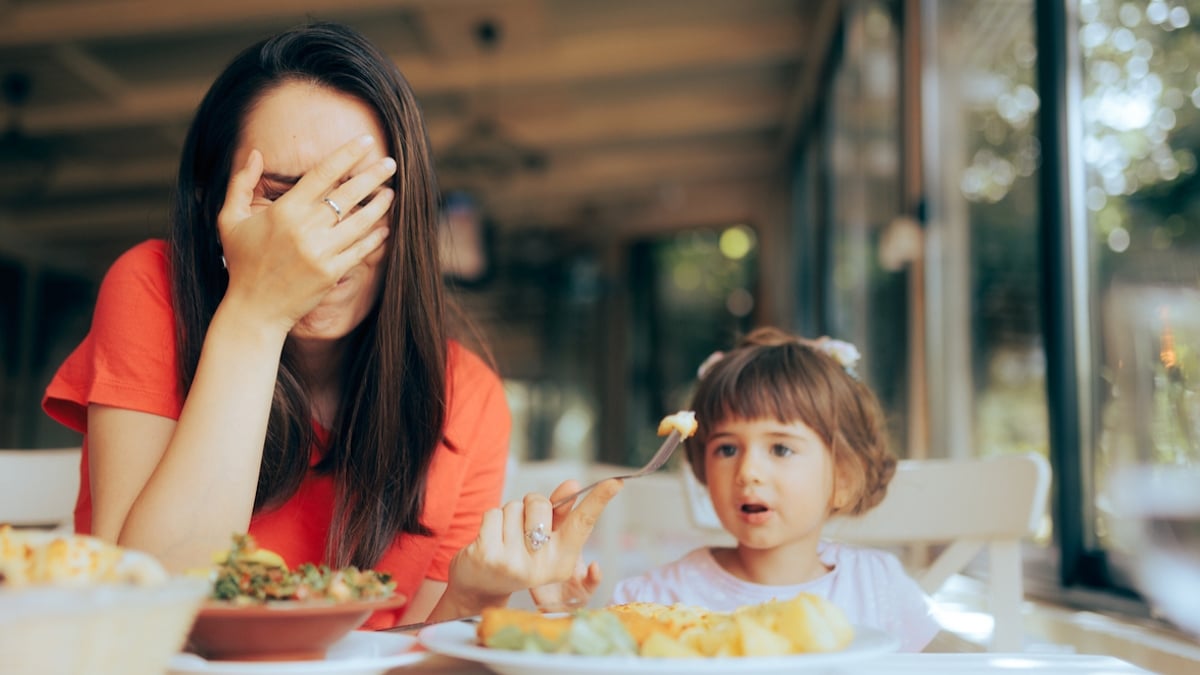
(771, 483)
(295, 126)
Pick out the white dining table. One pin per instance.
(892, 664)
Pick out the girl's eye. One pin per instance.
(780, 450)
(725, 450)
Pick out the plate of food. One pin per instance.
(804, 633)
(260, 610)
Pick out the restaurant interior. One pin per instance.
(992, 199)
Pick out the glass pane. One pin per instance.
(1141, 132)
(866, 302)
(984, 218)
(692, 294)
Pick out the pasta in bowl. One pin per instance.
(75, 604)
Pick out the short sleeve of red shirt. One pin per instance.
(128, 357)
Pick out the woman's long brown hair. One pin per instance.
(393, 392)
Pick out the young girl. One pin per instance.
(788, 437)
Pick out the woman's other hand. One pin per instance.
(513, 553)
(285, 246)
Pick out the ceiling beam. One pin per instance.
(803, 101)
(576, 176)
(581, 59)
(32, 23)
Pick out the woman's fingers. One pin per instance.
(538, 522)
(358, 191)
(240, 192)
(361, 225)
(514, 525)
(578, 525)
(327, 175)
(567, 487)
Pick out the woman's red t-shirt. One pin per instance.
(127, 361)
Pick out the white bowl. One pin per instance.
(103, 629)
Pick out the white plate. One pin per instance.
(458, 640)
(359, 653)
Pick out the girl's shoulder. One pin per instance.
(860, 560)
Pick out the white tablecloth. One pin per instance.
(898, 664)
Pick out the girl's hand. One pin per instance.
(574, 593)
(285, 254)
(506, 558)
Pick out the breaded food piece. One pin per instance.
(683, 421)
(494, 619)
(644, 618)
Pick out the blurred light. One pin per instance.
(1130, 15)
(686, 276)
(1137, 67)
(1096, 198)
(1165, 119)
(739, 302)
(1093, 35)
(736, 242)
(1156, 12)
(1124, 112)
(1118, 240)
(1179, 17)
(1160, 238)
(1123, 39)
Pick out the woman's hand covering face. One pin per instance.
(284, 258)
(502, 559)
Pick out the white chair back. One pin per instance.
(38, 488)
(969, 505)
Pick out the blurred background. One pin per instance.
(983, 195)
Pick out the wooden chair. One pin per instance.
(968, 506)
(38, 487)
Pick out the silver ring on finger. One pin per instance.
(337, 210)
(537, 537)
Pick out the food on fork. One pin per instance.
(247, 574)
(36, 558)
(804, 624)
(683, 421)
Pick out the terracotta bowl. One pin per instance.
(278, 631)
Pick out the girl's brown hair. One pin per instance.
(771, 374)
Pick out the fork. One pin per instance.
(660, 457)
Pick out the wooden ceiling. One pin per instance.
(556, 113)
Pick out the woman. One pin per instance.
(282, 365)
